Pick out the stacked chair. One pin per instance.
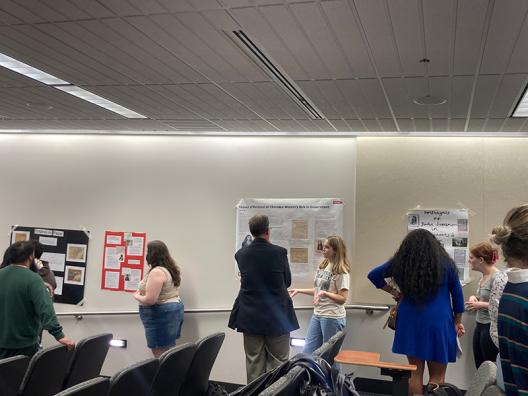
(12, 372)
(183, 370)
(329, 350)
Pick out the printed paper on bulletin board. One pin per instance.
(123, 260)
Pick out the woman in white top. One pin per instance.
(330, 293)
(160, 309)
(482, 258)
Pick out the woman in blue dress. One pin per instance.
(431, 304)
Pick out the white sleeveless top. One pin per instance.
(168, 293)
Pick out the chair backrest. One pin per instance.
(287, 385)
(94, 387)
(329, 350)
(197, 379)
(134, 380)
(485, 376)
(172, 372)
(12, 372)
(493, 390)
(88, 359)
(336, 341)
(46, 372)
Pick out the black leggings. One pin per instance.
(483, 346)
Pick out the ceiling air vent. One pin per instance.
(285, 82)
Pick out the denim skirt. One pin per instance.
(162, 323)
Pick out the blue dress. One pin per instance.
(426, 331)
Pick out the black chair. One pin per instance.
(197, 380)
(46, 372)
(329, 350)
(172, 372)
(134, 380)
(93, 387)
(287, 385)
(12, 372)
(88, 359)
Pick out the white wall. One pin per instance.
(182, 190)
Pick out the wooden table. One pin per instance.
(399, 372)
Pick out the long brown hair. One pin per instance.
(158, 256)
(340, 263)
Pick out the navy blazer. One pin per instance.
(263, 305)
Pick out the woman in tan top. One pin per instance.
(160, 309)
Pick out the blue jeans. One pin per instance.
(320, 330)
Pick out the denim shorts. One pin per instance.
(162, 323)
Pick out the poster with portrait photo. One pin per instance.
(300, 225)
(450, 227)
(76, 253)
(74, 275)
(413, 220)
(19, 236)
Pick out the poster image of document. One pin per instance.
(299, 255)
(76, 253)
(450, 227)
(49, 241)
(113, 239)
(111, 280)
(299, 229)
(56, 260)
(131, 278)
(19, 236)
(111, 259)
(58, 289)
(135, 248)
(74, 275)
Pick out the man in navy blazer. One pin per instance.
(263, 310)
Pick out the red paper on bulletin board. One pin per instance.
(123, 260)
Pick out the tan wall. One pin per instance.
(486, 175)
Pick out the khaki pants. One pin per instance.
(264, 353)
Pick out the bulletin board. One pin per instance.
(123, 260)
(66, 252)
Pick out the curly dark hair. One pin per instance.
(418, 265)
(158, 255)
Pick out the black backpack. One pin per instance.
(320, 379)
(444, 389)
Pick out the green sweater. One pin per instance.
(25, 309)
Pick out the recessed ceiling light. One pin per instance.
(429, 100)
(52, 81)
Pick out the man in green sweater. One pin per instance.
(25, 306)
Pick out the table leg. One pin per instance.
(400, 381)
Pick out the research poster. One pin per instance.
(451, 228)
(123, 260)
(66, 254)
(298, 225)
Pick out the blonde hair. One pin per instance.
(340, 263)
(512, 235)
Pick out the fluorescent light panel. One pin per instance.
(522, 107)
(99, 101)
(65, 86)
